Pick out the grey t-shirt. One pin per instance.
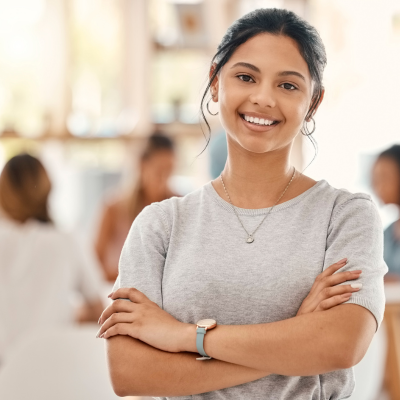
(190, 256)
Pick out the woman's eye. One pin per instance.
(245, 78)
(288, 86)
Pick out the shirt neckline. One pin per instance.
(260, 211)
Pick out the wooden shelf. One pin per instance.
(175, 129)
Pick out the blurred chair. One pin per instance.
(59, 364)
(369, 373)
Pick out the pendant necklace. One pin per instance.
(250, 236)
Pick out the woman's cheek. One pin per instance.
(231, 101)
(296, 114)
(226, 115)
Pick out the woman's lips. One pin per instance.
(258, 128)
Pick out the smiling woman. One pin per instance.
(245, 270)
(277, 99)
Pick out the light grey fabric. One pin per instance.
(190, 256)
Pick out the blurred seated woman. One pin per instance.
(386, 183)
(156, 166)
(40, 267)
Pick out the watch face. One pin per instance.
(207, 323)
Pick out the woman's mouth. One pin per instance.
(258, 122)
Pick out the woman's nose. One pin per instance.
(263, 96)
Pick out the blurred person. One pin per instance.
(386, 184)
(276, 280)
(157, 163)
(41, 268)
(218, 154)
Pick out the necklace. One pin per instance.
(250, 236)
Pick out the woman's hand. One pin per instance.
(141, 319)
(133, 314)
(326, 291)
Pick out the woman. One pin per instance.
(386, 183)
(156, 166)
(40, 267)
(256, 249)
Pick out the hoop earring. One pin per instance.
(208, 102)
(305, 131)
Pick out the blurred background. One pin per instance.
(85, 83)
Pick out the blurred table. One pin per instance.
(392, 322)
(392, 293)
(138, 398)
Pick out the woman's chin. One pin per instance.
(257, 146)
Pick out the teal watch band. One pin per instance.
(200, 333)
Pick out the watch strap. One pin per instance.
(200, 333)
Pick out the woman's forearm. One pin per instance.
(138, 369)
(309, 344)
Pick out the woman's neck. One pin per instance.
(257, 180)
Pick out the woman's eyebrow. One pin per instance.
(246, 65)
(256, 69)
(287, 73)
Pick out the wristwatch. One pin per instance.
(202, 327)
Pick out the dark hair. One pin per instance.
(156, 142)
(276, 22)
(393, 153)
(24, 189)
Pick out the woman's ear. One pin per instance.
(214, 84)
(315, 108)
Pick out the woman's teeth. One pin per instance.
(258, 121)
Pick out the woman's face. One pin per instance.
(386, 180)
(155, 172)
(266, 81)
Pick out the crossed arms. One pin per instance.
(308, 344)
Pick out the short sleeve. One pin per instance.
(356, 233)
(142, 260)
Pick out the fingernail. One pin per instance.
(110, 294)
(356, 272)
(356, 285)
(342, 260)
(102, 336)
(98, 333)
(99, 320)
